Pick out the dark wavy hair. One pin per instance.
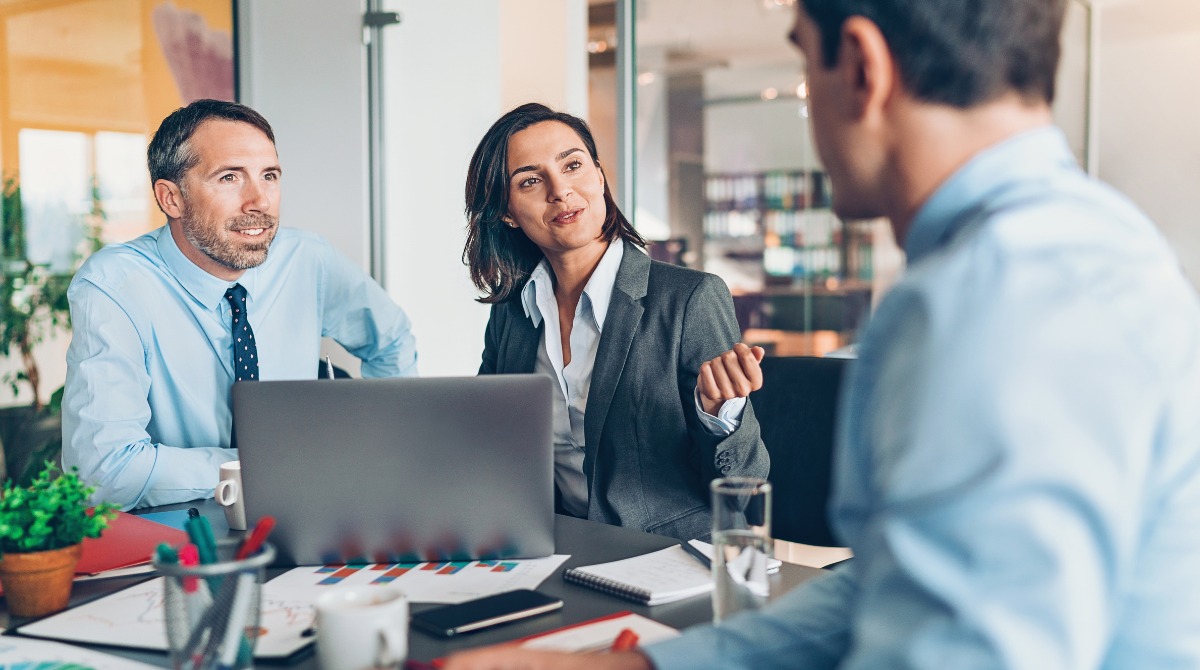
(959, 53)
(501, 258)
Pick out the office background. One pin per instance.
(708, 105)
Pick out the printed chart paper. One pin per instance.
(448, 582)
(16, 652)
(134, 618)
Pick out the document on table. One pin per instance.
(134, 618)
(446, 582)
(599, 634)
(16, 652)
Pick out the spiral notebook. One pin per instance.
(659, 577)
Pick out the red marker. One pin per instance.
(257, 536)
(189, 556)
(626, 640)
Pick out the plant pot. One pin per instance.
(38, 582)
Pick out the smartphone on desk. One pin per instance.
(450, 620)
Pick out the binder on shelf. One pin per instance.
(659, 577)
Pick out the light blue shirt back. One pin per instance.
(1018, 469)
(146, 415)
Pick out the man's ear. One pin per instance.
(868, 66)
(169, 198)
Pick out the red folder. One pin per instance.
(129, 540)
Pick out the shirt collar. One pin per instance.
(203, 287)
(965, 193)
(598, 290)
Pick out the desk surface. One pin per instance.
(587, 542)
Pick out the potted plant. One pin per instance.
(42, 527)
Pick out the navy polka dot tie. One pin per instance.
(245, 353)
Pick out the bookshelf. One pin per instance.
(792, 262)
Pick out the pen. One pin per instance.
(195, 596)
(193, 512)
(202, 536)
(626, 640)
(257, 536)
(697, 554)
(166, 555)
(328, 367)
(235, 625)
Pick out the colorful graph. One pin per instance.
(452, 567)
(337, 573)
(498, 566)
(391, 572)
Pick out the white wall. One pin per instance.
(543, 54)
(1149, 135)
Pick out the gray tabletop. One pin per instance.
(587, 542)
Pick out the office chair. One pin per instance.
(796, 408)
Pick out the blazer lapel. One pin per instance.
(523, 343)
(620, 327)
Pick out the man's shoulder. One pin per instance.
(1074, 260)
(119, 263)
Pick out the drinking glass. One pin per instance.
(741, 514)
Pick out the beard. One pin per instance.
(217, 243)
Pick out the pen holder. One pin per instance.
(212, 609)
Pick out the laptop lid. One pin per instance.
(396, 470)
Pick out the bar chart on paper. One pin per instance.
(434, 582)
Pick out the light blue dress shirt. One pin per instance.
(575, 380)
(146, 415)
(1018, 469)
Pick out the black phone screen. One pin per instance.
(484, 612)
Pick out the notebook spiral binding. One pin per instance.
(609, 586)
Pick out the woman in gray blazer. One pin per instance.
(651, 396)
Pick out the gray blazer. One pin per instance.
(648, 460)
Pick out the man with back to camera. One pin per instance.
(166, 323)
(1018, 466)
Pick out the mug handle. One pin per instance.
(226, 485)
(391, 648)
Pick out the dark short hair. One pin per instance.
(957, 52)
(170, 155)
(501, 258)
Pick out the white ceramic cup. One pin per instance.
(362, 627)
(229, 494)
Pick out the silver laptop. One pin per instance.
(399, 470)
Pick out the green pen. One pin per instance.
(201, 534)
(167, 555)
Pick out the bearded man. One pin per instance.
(165, 324)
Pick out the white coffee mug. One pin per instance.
(362, 627)
(229, 494)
